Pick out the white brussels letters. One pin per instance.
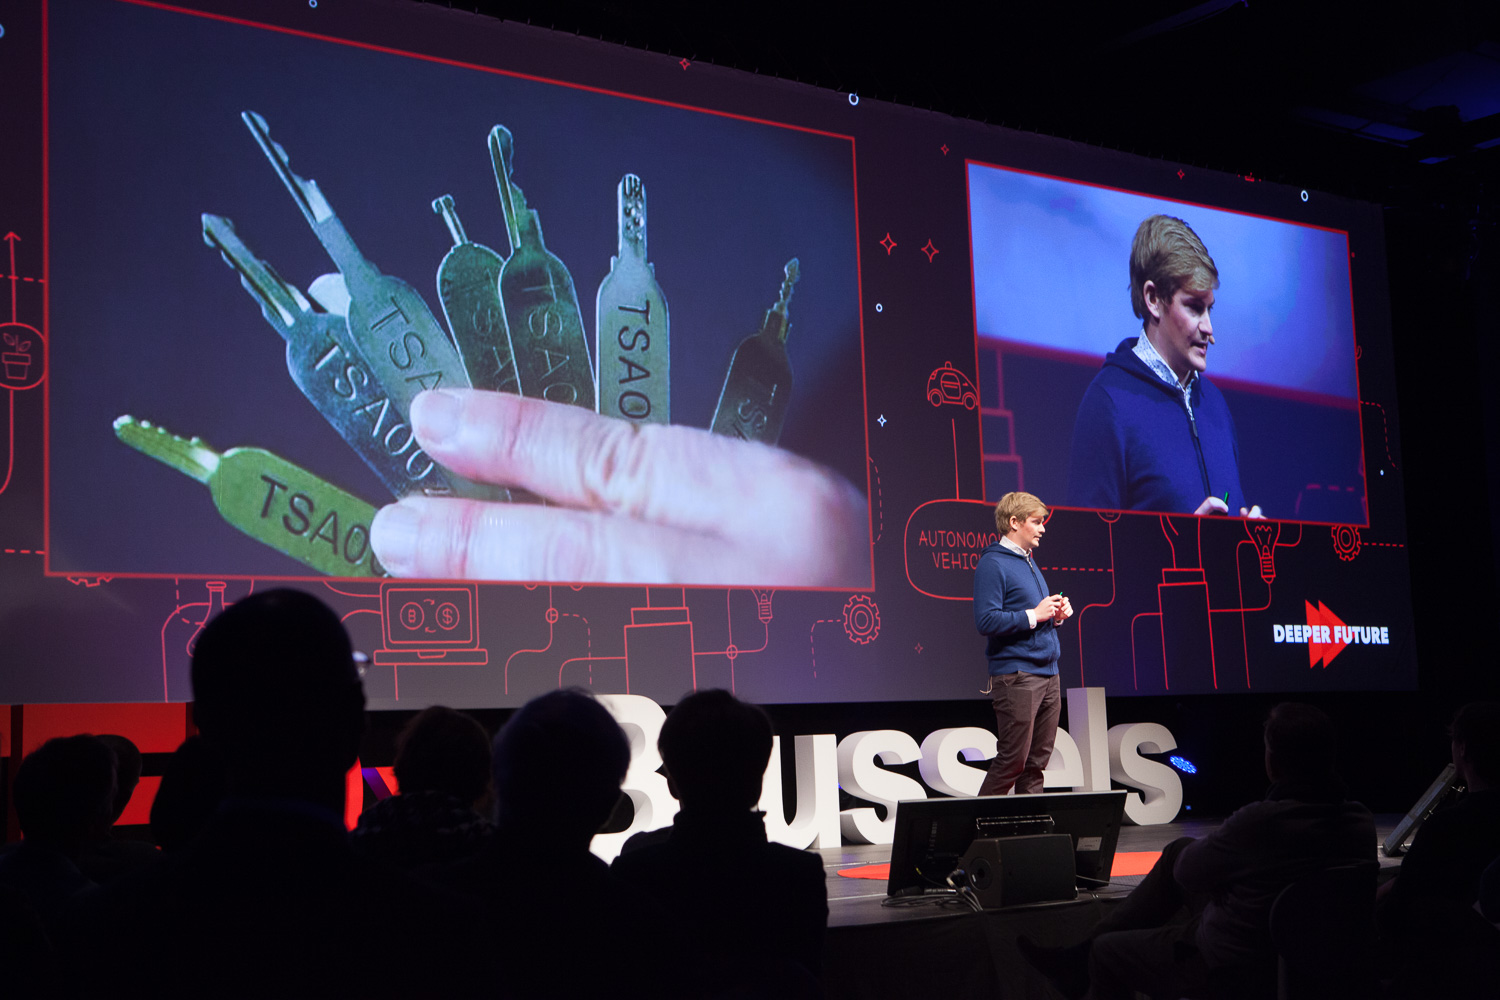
(1086, 756)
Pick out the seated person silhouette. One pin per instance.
(112, 852)
(269, 899)
(443, 772)
(1489, 892)
(188, 798)
(1200, 919)
(559, 924)
(63, 792)
(1429, 930)
(768, 940)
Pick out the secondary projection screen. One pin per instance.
(768, 353)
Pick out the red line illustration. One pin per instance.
(589, 637)
(957, 495)
(1386, 429)
(10, 434)
(811, 646)
(551, 617)
(1111, 527)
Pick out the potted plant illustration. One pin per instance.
(17, 358)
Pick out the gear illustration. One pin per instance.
(861, 619)
(1346, 541)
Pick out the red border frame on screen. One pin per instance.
(1234, 383)
(387, 50)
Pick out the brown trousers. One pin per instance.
(1027, 707)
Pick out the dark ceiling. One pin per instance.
(1394, 103)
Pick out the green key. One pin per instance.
(270, 499)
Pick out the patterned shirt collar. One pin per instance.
(1147, 352)
(1014, 547)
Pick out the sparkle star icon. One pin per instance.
(683, 62)
(930, 250)
(944, 148)
(1181, 174)
(888, 243)
(918, 647)
(881, 421)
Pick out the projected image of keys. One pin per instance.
(389, 324)
(469, 288)
(541, 305)
(328, 368)
(269, 499)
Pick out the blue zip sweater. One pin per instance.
(1005, 586)
(1134, 447)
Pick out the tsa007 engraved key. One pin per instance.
(325, 365)
(469, 288)
(631, 328)
(541, 305)
(389, 324)
(758, 385)
(393, 328)
(270, 499)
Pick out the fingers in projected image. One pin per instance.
(627, 503)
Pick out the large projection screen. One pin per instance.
(228, 225)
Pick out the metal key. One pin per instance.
(404, 345)
(758, 385)
(270, 499)
(541, 306)
(469, 288)
(328, 368)
(392, 328)
(631, 323)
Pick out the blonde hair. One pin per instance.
(1021, 505)
(1167, 253)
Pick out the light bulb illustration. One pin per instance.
(762, 603)
(1265, 534)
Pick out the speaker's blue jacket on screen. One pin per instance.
(1004, 587)
(1133, 444)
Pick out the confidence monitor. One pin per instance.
(932, 834)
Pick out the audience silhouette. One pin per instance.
(269, 899)
(109, 854)
(442, 769)
(1489, 892)
(258, 890)
(63, 794)
(1199, 922)
(1435, 941)
(189, 795)
(769, 942)
(559, 923)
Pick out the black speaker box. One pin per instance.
(1009, 871)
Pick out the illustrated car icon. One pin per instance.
(949, 386)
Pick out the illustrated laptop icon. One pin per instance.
(428, 626)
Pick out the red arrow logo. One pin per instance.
(1326, 639)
